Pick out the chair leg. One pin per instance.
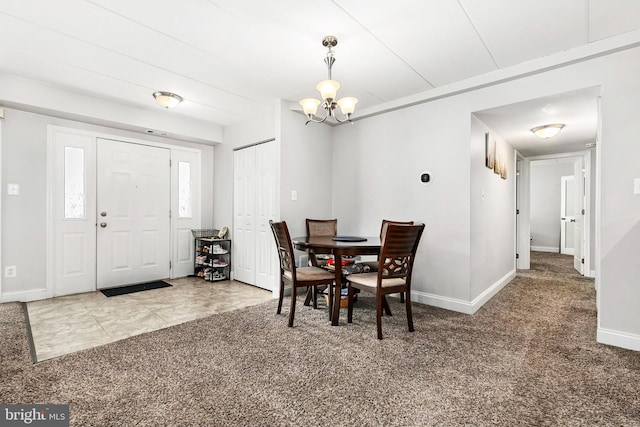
(401, 296)
(330, 305)
(314, 290)
(385, 305)
(292, 311)
(307, 300)
(350, 304)
(281, 296)
(409, 314)
(379, 299)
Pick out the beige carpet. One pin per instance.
(528, 357)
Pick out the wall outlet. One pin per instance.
(294, 195)
(10, 271)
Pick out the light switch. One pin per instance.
(636, 186)
(294, 195)
(13, 189)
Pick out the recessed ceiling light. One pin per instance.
(547, 131)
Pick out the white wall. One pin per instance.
(306, 159)
(259, 128)
(493, 244)
(377, 162)
(619, 151)
(24, 142)
(545, 203)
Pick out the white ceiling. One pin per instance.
(230, 59)
(577, 110)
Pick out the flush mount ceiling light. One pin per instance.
(328, 91)
(167, 99)
(547, 131)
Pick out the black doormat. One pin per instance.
(112, 292)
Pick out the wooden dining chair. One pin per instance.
(296, 277)
(318, 227)
(395, 267)
(373, 265)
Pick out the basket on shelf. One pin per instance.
(205, 233)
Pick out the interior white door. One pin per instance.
(244, 239)
(567, 217)
(133, 209)
(578, 215)
(266, 254)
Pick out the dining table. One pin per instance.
(338, 246)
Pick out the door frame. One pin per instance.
(589, 175)
(177, 153)
(563, 207)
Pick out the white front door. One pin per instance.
(133, 213)
(567, 216)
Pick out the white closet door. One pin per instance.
(133, 240)
(244, 194)
(266, 209)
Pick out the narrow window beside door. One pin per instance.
(184, 190)
(74, 186)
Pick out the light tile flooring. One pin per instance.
(72, 323)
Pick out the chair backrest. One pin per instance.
(284, 246)
(388, 221)
(398, 250)
(322, 227)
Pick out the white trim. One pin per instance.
(1, 193)
(592, 274)
(447, 303)
(491, 291)
(25, 296)
(618, 339)
(459, 305)
(545, 249)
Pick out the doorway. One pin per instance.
(133, 204)
(118, 228)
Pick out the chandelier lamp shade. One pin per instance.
(328, 93)
(167, 99)
(547, 131)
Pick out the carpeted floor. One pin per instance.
(528, 357)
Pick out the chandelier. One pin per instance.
(328, 91)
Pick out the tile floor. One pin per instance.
(71, 323)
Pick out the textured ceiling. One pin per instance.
(230, 59)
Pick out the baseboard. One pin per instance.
(24, 296)
(447, 303)
(545, 249)
(618, 339)
(461, 306)
(492, 290)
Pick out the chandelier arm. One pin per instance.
(347, 117)
(317, 121)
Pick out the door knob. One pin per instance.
(103, 224)
(103, 214)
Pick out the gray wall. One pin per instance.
(24, 148)
(545, 203)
